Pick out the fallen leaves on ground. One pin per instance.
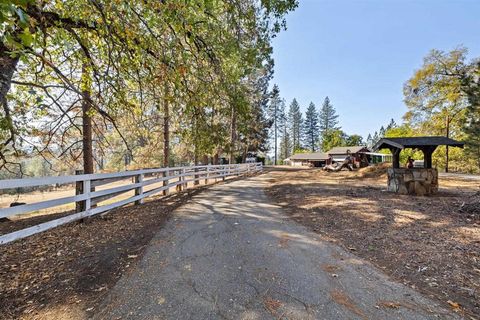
(271, 305)
(343, 299)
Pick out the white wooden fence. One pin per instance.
(169, 177)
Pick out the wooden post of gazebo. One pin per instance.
(395, 157)
(427, 156)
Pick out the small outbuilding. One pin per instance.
(314, 159)
(339, 154)
(376, 158)
(419, 181)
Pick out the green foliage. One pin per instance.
(471, 87)
(207, 62)
(333, 138)
(354, 140)
(439, 100)
(434, 95)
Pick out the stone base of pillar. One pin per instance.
(417, 181)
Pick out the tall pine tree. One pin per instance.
(286, 145)
(311, 133)
(327, 118)
(369, 141)
(276, 113)
(381, 133)
(391, 125)
(295, 123)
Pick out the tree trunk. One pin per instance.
(478, 158)
(446, 149)
(7, 69)
(276, 128)
(233, 135)
(166, 129)
(86, 123)
(244, 156)
(195, 163)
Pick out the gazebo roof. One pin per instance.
(416, 143)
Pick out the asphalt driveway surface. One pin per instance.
(232, 254)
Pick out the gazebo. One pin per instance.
(419, 181)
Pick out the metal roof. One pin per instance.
(343, 150)
(315, 156)
(416, 142)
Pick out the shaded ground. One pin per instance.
(427, 243)
(231, 253)
(62, 273)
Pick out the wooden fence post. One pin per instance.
(178, 187)
(79, 205)
(184, 184)
(196, 177)
(207, 175)
(165, 182)
(87, 190)
(139, 190)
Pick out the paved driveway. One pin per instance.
(464, 176)
(232, 254)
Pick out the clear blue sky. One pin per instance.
(360, 53)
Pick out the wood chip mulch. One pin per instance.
(429, 243)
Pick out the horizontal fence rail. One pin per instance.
(87, 199)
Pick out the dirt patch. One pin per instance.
(375, 171)
(283, 242)
(330, 268)
(342, 299)
(428, 243)
(63, 273)
(271, 305)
